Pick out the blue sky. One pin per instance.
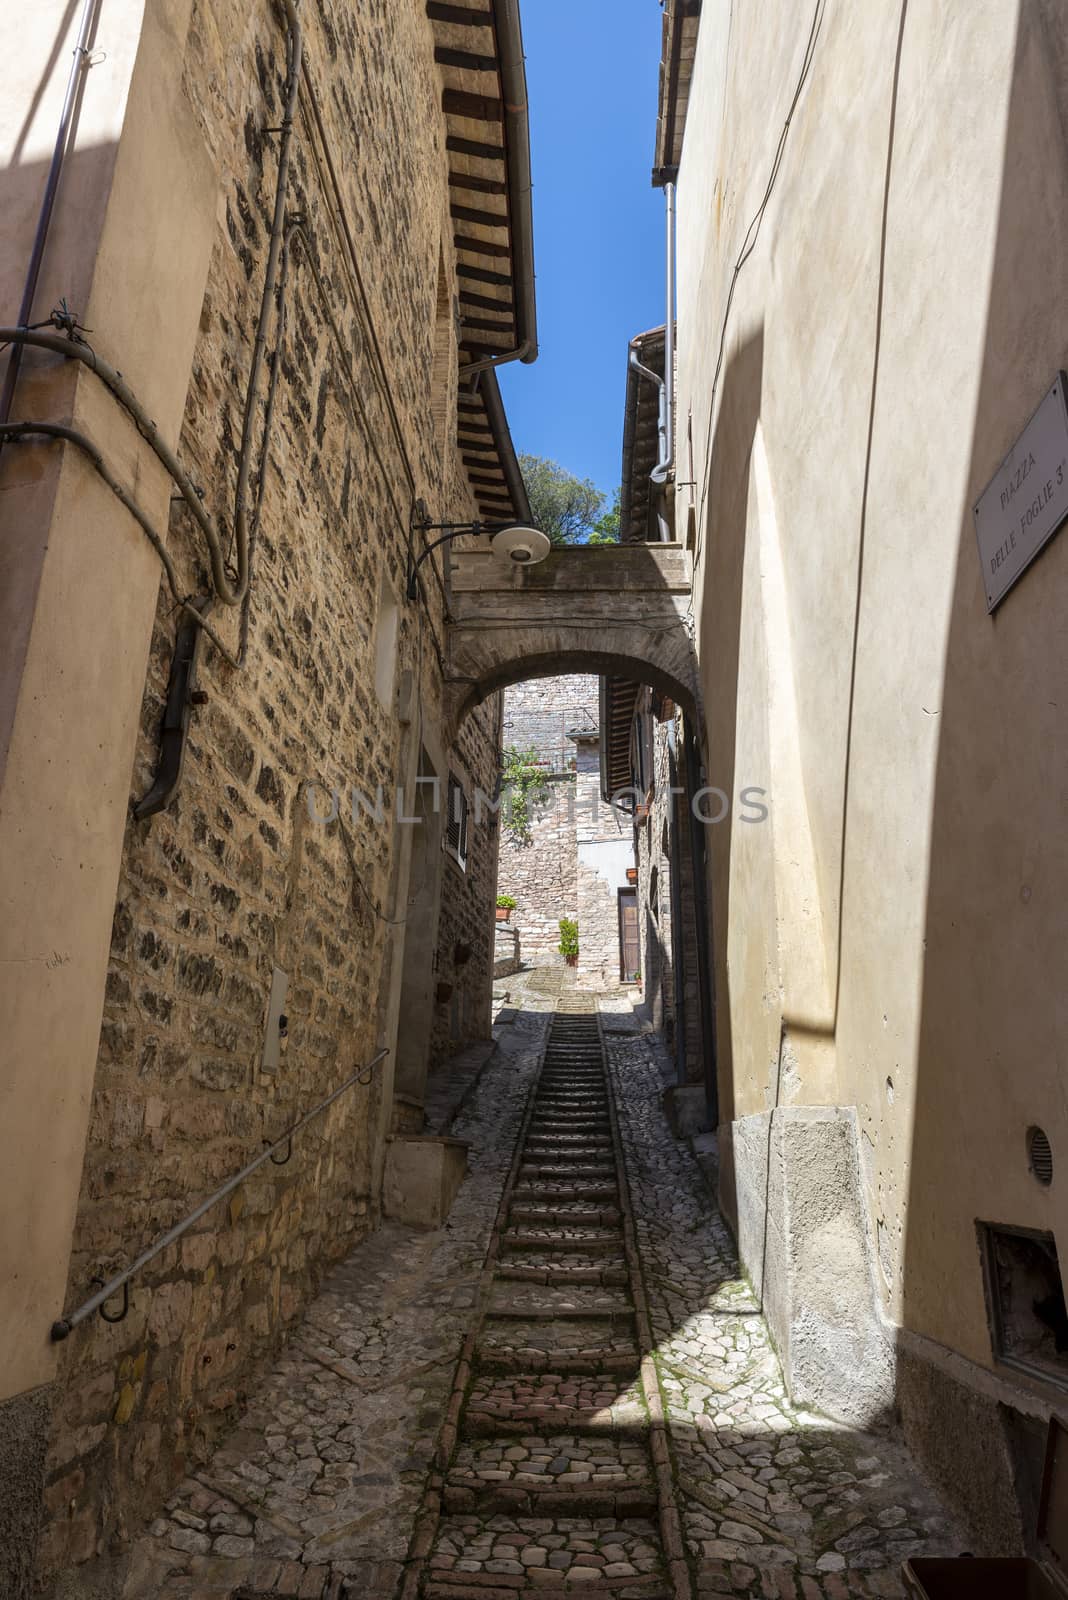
(598, 226)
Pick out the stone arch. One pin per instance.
(467, 692)
(621, 611)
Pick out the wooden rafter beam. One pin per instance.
(459, 16)
(480, 219)
(484, 302)
(483, 275)
(477, 185)
(465, 60)
(481, 247)
(477, 107)
(474, 147)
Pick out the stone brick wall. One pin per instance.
(655, 914)
(540, 870)
(539, 713)
(237, 878)
(605, 850)
(574, 861)
(465, 955)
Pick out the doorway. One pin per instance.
(630, 947)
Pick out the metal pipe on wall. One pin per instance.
(678, 943)
(44, 218)
(666, 466)
(703, 926)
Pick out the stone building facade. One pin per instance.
(145, 1074)
(573, 859)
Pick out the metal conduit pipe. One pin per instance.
(58, 430)
(703, 928)
(44, 219)
(230, 593)
(678, 937)
(658, 496)
(665, 467)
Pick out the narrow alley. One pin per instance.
(533, 759)
(567, 1389)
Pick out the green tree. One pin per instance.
(569, 509)
(606, 529)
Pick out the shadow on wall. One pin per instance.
(723, 542)
(994, 1018)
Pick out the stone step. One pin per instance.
(525, 1359)
(554, 1189)
(611, 1273)
(498, 1556)
(535, 1302)
(561, 1475)
(545, 1154)
(575, 1110)
(564, 1213)
(548, 1402)
(565, 1345)
(556, 1105)
(573, 1064)
(461, 1586)
(572, 1071)
(599, 1127)
(567, 1334)
(561, 1239)
(572, 1094)
(567, 1168)
(568, 1144)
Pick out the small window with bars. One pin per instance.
(456, 823)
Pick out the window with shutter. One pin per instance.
(456, 823)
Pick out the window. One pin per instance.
(1025, 1297)
(386, 629)
(456, 823)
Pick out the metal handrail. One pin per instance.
(65, 1325)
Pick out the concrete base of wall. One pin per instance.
(422, 1177)
(962, 1438)
(686, 1108)
(24, 1425)
(790, 1183)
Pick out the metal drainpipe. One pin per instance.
(702, 924)
(678, 959)
(664, 469)
(44, 219)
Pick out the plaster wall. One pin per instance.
(894, 937)
(80, 586)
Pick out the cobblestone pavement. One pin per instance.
(567, 1390)
(774, 1501)
(316, 1491)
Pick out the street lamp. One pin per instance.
(511, 541)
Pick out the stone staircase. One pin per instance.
(557, 1481)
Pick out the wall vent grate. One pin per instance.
(1040, 1157)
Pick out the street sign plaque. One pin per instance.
(1026, 500)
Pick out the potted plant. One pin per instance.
(569, 945)
(505, 906)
